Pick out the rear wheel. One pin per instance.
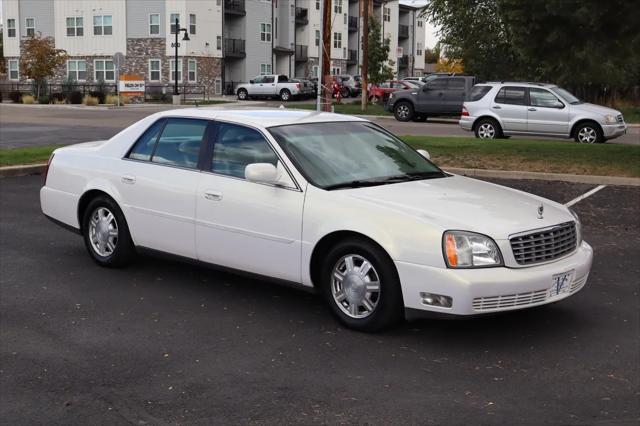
(243, 95)
(403, 111)
(285, 95)
(488, 128)
(589, 133)
(361, 286)
(106, 234)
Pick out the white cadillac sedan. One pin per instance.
(326, 201)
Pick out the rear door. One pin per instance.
(455, 94)
(510, 104)
(431, 98)
(546, 113)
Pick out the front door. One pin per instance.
(158, 184)
(431, 97)
(247, 225)
(511, 106)
(546, 113)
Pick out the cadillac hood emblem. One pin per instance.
(540, 211)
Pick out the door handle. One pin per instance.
(497, 107)
(128, 179)
(532, 109)
(213, 195)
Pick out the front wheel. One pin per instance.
(403, 111)
(589, 133)
(106, 234)
(242, 95)
(361, 286)
(285, 95)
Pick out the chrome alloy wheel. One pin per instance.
(587, 135)
(355, 286)
(487, 131)
(103, 231)
(403, 112)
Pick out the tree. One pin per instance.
(449, 65)
(432, 56)
(40, 60)
(378, 59)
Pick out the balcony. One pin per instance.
(403, 31)
(302, 54)
(234, 48)
(302, 16)
(352, 59)
(403, 61)
(234, 7)
(353, 23)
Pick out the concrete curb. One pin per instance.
(36, 169)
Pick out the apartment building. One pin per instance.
(231, 41)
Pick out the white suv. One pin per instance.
(495, 110)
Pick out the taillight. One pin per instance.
(46, 168)
(465, 113)
(298, 86)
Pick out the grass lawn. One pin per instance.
(531, 155)
(468, 152)
(351, 108)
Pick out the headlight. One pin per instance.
(390, 95)
(578, 228)
(610, 119)
(470, 250)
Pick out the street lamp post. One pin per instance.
(176, 45)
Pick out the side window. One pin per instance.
(511, 96)
(543, 98)
(398, 86)
(269, 79)
(180, 141)
(143, 147)
(437, 83)
(236, 147)
(258, 80)
(456, 84)
(478, 92)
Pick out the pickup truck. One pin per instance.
(440, 96)
(269, 86)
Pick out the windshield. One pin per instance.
(566, 95)
(351, 154)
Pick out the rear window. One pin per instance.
(478, 92)
(511, 95)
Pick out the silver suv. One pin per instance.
(495, 110)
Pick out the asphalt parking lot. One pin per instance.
(163, 342)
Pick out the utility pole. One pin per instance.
(320, 68)
(365, 53)
(326, 51)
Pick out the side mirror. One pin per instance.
(424, 153)
(251, 81)
(261, 172)
(559, 105)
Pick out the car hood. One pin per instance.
(462, 203)
(596, 109)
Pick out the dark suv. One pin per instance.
(440, 96)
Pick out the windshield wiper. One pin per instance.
(426, 175)
(384, 180)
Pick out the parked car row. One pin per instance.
(284, 88)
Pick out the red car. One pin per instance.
(381, 92)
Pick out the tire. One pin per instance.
(403, 111)
(354, 299)
(243, 95)
(285, 95)
(102, 217)
(420, 118)
(488, 128)
(588, 132)
(345, 93)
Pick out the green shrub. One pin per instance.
(44, 99)
(15, 96)
(58, 97)
(75, 97)
(100, 95)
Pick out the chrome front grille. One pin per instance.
(619, 118)
(545, 244)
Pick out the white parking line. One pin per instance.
(585, 195)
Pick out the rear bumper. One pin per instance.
(481, 291)
(612, 131)
(466, 122)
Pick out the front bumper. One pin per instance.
(479, 291)
(612, 131)
(466, 122)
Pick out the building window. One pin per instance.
(265, 69)
(293, 9)
(77, 69)
(154, 24)
(14, 70)
(219, 42)
(30, 25)
(317, 4)
(315, 70)
(317, 38)
(11, 27)
(419, 23)
(344, 52)
(172, 65)
(192, 71)
(154, 70)
(217, 84)
(265, 32)
(172, 21)
(192, 23)
(345, 19)
(276, 28)
(103, 70)
(386, 14)
(337, 6)
(419, 49)
(336, 71)
(75, 27)
(102, 25)
(337, 40)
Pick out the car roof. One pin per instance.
(520, 83)
(260, 117)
